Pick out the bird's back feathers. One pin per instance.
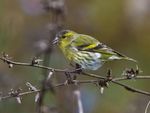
(90, 44)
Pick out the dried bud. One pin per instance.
(103, 83)
(31, 87)
(19, 90)
(5, 55)
(109, 72)
(36, 61)
(130, 73)
(12, 92)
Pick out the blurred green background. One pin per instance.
(121, 24)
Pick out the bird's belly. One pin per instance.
(88, 60)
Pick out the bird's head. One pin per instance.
(64, 37)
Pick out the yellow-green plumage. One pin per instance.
(85, 50)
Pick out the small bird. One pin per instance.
(86, 51)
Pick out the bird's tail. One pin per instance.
(122, 56)
(130, 59)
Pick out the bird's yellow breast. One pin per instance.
(67, 51)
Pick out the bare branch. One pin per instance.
(8, 61)
(76, 82)
(137, 77)
(102, 81)
(26, 93)
(31, 64)
(129, 88)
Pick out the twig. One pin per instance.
(8, 61)
(129, 88)
(146, 109)
(78, 82)
(30, 65)
(93, 75)
(27, 93)
(137, 77)
(38, 90)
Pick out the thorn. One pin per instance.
(31, 87)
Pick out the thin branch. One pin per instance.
(129, 88)
(136, 77)
(29, 65)
(76, 82)
(64, 70)
(114, 80)
(36, 65)
(146, 109)
(27, 93)
(93, 75)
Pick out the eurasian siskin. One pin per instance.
(85, 50)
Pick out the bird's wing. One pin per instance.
(90, 44)
(84, 42)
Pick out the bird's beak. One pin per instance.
(55, 41)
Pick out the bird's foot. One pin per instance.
(78, 69)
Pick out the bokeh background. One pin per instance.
(121, 24)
